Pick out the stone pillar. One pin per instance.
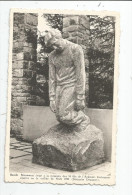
(24, 57)
(77, 30)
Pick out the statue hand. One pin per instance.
(53, 106)
(80, 104)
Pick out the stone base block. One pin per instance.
(68, 148)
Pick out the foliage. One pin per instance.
(31, 36)
(55, 20)
(101, 57)
(40, 80)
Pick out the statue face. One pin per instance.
(58, 46)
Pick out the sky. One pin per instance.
(42, 24)
(42, 27)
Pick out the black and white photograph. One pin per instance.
(62, 97)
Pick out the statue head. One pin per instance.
(53, 38)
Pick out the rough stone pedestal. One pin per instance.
(68, 148)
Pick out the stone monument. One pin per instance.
(74, 143)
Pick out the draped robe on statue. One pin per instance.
(67, 83)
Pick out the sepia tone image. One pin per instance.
(62, 97)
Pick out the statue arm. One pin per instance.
(80, 73)
(52, 79)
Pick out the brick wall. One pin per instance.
(23, 67)
(77, 30)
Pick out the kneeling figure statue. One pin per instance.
(74, 143)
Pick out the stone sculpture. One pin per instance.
(74, 143)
